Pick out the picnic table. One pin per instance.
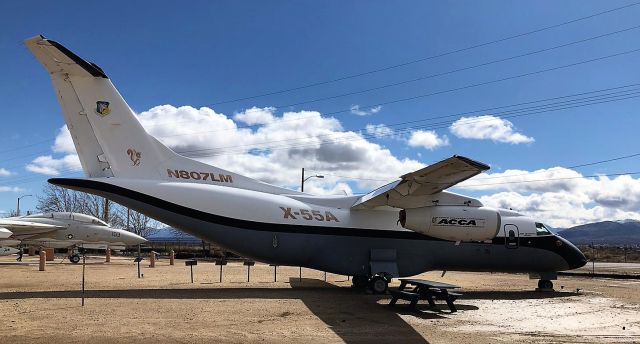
(424, 290)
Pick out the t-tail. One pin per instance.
(109, 139)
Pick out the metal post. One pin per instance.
(275, 273)
(325, 276)
(191, 273)
(300, 279)
(593, 260)
(248, 273)
(83, 264)
(220, 273)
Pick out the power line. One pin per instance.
(468, 86)
(455, 70)
(451, 52)
(494, 177)
(508, 114)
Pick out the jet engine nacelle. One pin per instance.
(455, 223)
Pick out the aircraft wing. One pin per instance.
(5, 233)
(425, 181)
(19, 227)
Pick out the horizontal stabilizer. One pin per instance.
(57, 59)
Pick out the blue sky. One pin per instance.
(202, 52)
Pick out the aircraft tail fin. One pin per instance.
(107, 135)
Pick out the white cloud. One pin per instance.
(379, 130)
(10, 189)
(488, 127)
(428, 139)
(560, 196)
(50, 166)
(355, 109)
(278, 146)
(5, 173)
(273, 150)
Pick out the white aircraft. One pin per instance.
(64, 230)
(401, 229)
(7, 251)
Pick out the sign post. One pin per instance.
(221, 262)
(191, 263)
(249, 264)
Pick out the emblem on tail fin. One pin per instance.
(102, 108)
(135, 156)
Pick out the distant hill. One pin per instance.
(607, 232)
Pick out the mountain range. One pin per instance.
(623, 232)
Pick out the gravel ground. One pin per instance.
(163, 306)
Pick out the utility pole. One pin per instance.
(18, 208)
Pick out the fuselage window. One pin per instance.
(541, 229)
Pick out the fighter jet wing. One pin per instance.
(425, 181)
(19, 227)
(5, 233)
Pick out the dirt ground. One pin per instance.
(164, 306)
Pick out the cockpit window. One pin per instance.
(541, 229)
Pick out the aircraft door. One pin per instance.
(511, 236)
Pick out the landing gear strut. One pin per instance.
(545, 284)
(360, 281)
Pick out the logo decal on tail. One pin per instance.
(135, 156)
(102, 108)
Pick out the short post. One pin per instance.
(43, 259)
(249, 264)
(107, 257)
(138, 260)
(172, 257)
(50, 254)
(83, 264)
(275, 272)
(221, 262)
(300, 278)
(325, 276)
(152, 259)
(191, 263)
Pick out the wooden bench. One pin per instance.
(425, 290)
(404, 295)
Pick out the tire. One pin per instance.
(378, 284)
(75, 259)
(359, 281)
(545, 284)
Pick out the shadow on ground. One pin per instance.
(354, 317)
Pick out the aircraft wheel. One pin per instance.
(359, 281)
(378, 284)
(75, 259)
(545, 284)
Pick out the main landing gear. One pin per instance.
(73, 256)
(378, 284)
(545, 285)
